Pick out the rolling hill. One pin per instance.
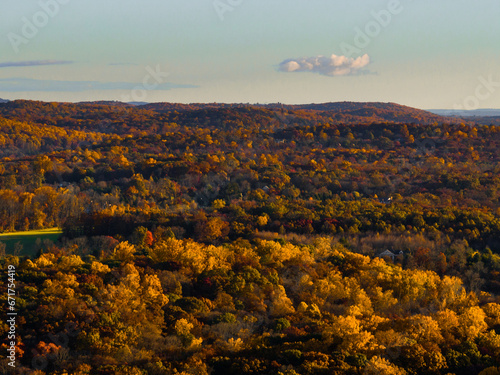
(116, 117)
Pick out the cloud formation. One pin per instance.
(329, 66)
(25, 85)
(18, 64)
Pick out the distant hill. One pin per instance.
(349, 112)
(121, 118)
(108, 102)
(168, 107)
(464, 113)
(138, 103)
(379, 112)
(3, 100)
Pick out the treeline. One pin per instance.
(160, 305)
(18, 139)
(231, 239)
(221, 173)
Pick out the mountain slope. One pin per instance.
(121, 118)
(373, 112)
(348, 112)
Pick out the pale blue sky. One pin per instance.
(430, 54)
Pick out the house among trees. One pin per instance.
(390, 254)
(385, 200)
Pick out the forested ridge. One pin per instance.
(244, 239)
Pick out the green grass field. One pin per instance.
(27, 241)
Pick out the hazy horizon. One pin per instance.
(419, 54)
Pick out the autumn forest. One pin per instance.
(197, 239)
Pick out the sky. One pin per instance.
(426, 54)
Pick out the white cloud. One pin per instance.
(329, 66)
